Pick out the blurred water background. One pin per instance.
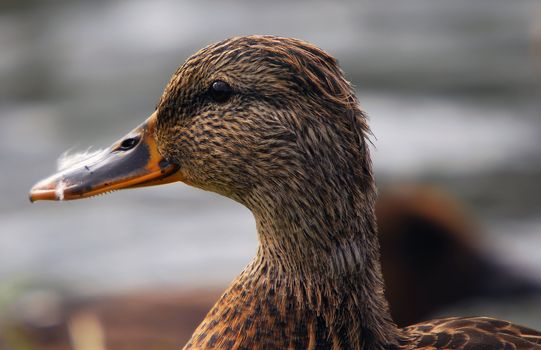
(453, 92)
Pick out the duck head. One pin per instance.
(273, 124)
(247, 117)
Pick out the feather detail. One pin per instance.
(68, 160)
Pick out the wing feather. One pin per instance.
(474, 333)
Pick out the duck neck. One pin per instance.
(321, 253)
(315, 281)
(320, 239)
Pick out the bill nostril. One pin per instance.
(128, 143)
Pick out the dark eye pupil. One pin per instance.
(220, 91)
(128, 144)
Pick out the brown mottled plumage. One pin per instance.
(289, 142)
(291, 145)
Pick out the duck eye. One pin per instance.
(128, 144)
(220, 91)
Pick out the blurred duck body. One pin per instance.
(433, 256)
(271, 123)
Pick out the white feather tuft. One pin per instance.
(59, 190)
(67, 160)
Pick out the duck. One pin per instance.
(434, 255)
(272, 123)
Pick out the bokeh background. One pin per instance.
(453, 91)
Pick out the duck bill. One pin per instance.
(133, 161)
